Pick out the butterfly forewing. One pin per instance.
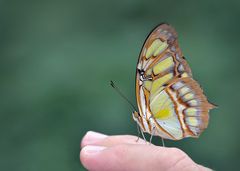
(172, 105)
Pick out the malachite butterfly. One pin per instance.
(171, 103)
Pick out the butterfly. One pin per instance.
(171, 103)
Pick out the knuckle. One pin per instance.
(177, 152)
(121, 139)
(120, 151)
(180, 159)
(130, 137)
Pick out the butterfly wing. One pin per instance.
(169, 100)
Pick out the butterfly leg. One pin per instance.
(153, 132)
(163, 144)
(143, 136)
(138, 129)
(148, 78)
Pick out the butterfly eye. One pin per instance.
(141, 71)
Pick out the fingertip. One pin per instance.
(92, 137)
(105, 158)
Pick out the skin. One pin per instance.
(100, 152)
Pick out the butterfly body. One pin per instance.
(171, 103)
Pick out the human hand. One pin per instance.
(122, 153)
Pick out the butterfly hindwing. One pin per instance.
(193, 106)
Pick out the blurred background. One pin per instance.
(56, 60)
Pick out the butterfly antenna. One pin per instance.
(122, 95)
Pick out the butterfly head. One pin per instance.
(136, 115)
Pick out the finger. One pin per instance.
(135, 157)
(120, 139)
(94, 138)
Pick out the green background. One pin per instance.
(57, 57)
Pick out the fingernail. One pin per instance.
(89, 154)
(92, 137)
(92, 150)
